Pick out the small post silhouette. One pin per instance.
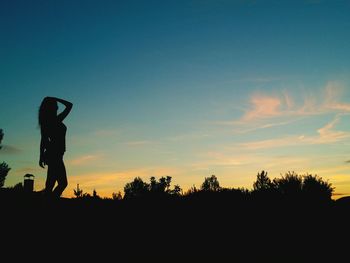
(28, 183)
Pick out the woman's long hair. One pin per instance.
(47, 112)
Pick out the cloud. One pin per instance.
(263, 107)
(230, 160)
(268, 107)
(84, 159)
(333, 93)
(266, 111)
(8, 149)
(289, 101)
(337, 171)
(272, 143)
(259, 79)
(175, 138)
(30, 170)
(244, 130)
(188, 137)
(215, 158)
(106, 132)
(326, 134)
(139, 143)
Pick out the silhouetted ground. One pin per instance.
(204, 228)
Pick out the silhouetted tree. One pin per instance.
(78, 192)
(162, 186)
(263, 182)
(4, 168)
(164, 183)
(86, 195)
(136, 188)
(192, 190)
(211, 184)
(176, 191)
(94, 194)
(117, 196)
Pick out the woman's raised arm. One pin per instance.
(66, 111)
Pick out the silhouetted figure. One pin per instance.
(53, 144)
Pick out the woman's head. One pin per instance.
(47, 111)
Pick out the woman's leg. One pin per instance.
(50, 178)
(61, 178)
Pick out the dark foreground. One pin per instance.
(174, 230)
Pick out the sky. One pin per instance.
(186, 89)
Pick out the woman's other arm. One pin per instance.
(43, 146)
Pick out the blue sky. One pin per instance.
(179, 88)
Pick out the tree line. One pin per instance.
(291, 186)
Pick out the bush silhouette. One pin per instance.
(4, 168)
(315, 188)
(289, 185)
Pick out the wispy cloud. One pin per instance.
(216, 158)
(271, 143)
(263, 107)
(81, 160)
(139, 143)
(24, 170)
(260, 79)
(175, 138)
(229, 160)
(266, 111)
(326, 135)
(106, 132)
(243, 130)
(188, 137)
(8, 149)
(333, 93)
(337, 172)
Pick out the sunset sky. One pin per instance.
(184, 89)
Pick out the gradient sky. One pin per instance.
(180, 88)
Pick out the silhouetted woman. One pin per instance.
(53, 144)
